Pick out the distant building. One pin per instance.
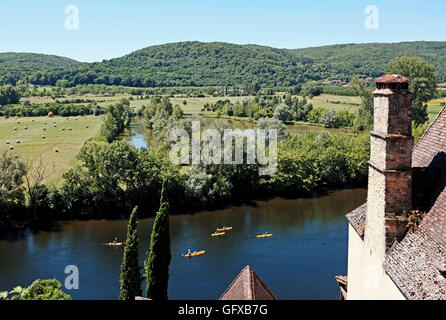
(396, 252)
(248, 286)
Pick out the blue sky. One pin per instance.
(113, 28)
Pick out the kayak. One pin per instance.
(194, 254)
(265, 235)
(114, 244)
(217, 234)
(224, 229)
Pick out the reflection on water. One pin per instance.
(137, 134)
(308, 248)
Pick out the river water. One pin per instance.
(307, 250)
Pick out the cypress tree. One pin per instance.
(130, 278)
(158, 259)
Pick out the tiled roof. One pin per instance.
(434, 221)
(248, 286)
(414, 264)
(357, 219)
(431, 144)
(392, 78)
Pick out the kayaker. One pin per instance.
(188, 251)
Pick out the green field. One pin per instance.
(328, 101)
(193, 106)
(33, 147)
(434, 108)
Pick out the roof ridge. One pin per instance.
(429, 128)
(249, 290)
(233, 281)
(252, 275)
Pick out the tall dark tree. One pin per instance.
(130, 276)
(158, 258)
(423, 83)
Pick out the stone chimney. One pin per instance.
(389, 197)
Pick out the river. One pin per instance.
(307, 250)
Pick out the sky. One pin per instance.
(109, 29)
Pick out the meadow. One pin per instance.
(434, 108)
(29, 145)
(33, 147)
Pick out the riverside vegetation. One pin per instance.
(112, 177)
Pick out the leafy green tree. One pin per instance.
(418, 131)
(364, 116)
(38, 290)
(330, 119)
(158, 258)
(9, 95)
(311, 89)
(115, 120)
(282, 112)
(423, 83)
(12, 173)
(178, 112)
(130, 278)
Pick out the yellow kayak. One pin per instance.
(217, 234)
(194, 254)
(265, 235)
(224, 229)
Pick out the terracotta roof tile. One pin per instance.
(392, 78)
(248, 286)
(432, 143)
(357, 219)
(413, 263)
(414, 266)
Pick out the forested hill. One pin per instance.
(224, 64)
(16, 65)
(370, 59)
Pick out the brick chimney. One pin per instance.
(389, 197)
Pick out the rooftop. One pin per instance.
(248, 286)
(392, 78)
(414, 263)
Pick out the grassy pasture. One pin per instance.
(328, 101)
(434, 108)
(33, 147)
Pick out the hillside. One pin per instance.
(15, 65)
(370, 59)
(224, 64)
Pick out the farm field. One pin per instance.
(32, 147)
(194, 105)
(434, 108)
(335, 102)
